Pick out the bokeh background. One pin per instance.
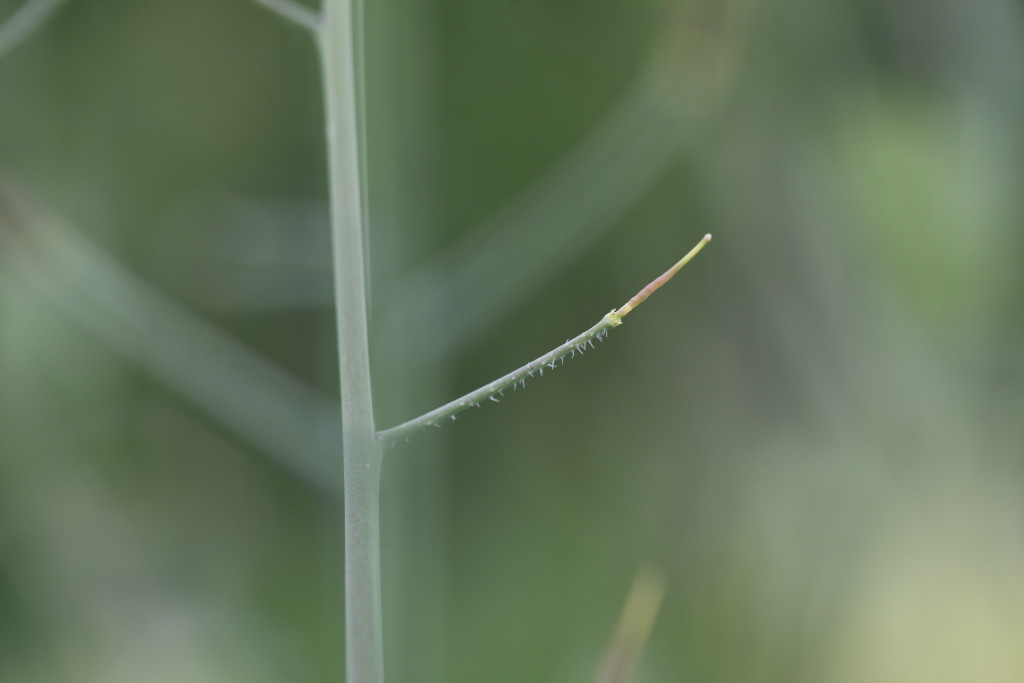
(815, 431)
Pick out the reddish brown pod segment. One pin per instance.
(642, 295)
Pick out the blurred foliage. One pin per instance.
(815, 430)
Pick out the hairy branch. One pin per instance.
(550, 360)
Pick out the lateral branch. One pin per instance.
(535, 368)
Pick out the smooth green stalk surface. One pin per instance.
(362, 460)
(550, 360)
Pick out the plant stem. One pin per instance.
(550, 360)
(362, 455)
(491, 390)
(642, 606)
(282, 417)
(657, 282)
(293, 12)
(24, 22)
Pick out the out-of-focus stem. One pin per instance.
(634, 627)
(294, 12)
(25, 21)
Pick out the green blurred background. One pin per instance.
(815, 430)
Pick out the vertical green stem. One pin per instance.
(362, 456)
